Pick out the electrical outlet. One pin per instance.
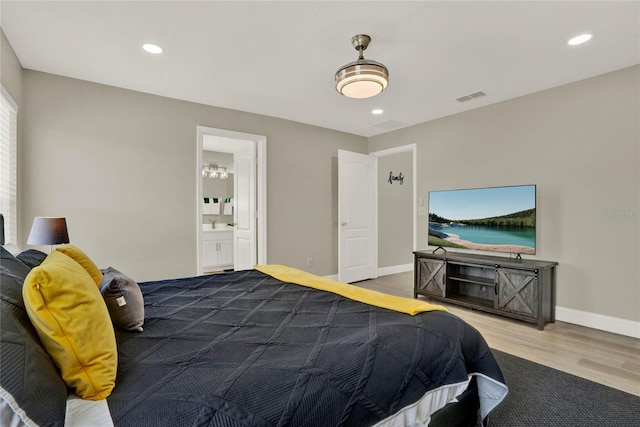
(422, 211)
(309, 262)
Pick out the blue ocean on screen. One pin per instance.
(490, 235)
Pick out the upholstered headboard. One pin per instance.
(1, 229)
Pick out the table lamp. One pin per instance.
(47, 230)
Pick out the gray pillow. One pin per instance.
(32, 257)
(123, 298)
(30, 384)
(12, 274)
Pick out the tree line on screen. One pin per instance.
(526, 218)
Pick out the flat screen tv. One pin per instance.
(501, 219)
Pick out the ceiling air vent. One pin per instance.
(471, 96)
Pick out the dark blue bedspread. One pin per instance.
(245, 349)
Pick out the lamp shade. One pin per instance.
(48, 231)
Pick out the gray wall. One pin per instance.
(395, 204)
(121, 167)
(580, 144)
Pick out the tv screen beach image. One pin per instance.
(501, 219)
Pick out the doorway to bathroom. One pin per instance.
(231, 229)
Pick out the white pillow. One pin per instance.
(13, 248)
(81, 412)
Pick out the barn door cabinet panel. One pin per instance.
(522, 289)
(432, 277)
(517, 291)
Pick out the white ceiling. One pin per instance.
(279, 58)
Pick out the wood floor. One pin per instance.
(603, 357)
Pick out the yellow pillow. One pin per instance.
(73, 323)
(81, 258)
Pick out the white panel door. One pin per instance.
(244, 213)
(357, 217)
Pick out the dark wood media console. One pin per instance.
(522, 289)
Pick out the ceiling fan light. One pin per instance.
(362, 78)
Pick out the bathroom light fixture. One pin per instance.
(48, 231)
(152, 48)
(214, 171)
(377, 111)
(362, 78)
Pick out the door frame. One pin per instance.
(260, 144)
(396, 150)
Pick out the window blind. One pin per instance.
(8, 166)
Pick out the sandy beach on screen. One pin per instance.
(454, 238)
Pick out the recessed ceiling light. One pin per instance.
(152, 48)
(377, 111)
(580, 39)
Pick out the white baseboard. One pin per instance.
(599, 321)
(384, 271)
(395, 269)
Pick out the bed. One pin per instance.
(252, 348)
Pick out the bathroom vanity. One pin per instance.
(217, 249)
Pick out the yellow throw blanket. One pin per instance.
(379, 299)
